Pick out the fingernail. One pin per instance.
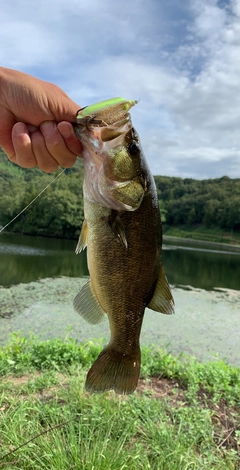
(65, 129)
(20, 128)
(48, 127)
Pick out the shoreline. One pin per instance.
(201, 242)
(197, 241)
(205, 324)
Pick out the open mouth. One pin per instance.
(104, 124)
(103, 132)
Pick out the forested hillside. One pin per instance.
(212, 202)
(58, 211)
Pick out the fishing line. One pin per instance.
(5, 226)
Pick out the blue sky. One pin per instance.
(181, 58)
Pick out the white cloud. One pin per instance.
(181, 59)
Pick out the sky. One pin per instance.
(180, 58)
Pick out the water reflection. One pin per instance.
(201, 268)
(25, 259)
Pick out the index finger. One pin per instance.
(56, 145)
(71, 140)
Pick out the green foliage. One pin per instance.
(217, 378)
(213, 202)
(47, 421)
(57, 212)
(101, 433)
(22, 355)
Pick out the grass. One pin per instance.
(200, 232)
(184, 415)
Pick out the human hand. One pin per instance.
(35, 122)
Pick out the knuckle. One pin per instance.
(68, 162)
(26, 161)
(49, 167)
(53, 142)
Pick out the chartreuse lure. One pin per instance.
(104, 112)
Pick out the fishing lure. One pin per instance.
(113, 108)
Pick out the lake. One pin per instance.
(45, 275)
(25, 259)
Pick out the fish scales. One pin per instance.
(122, 231)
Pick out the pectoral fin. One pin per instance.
(162, 300)
(87, 305)
(118, 229)
(82, 242)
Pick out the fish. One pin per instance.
(123, 235)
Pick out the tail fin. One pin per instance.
(114, 371)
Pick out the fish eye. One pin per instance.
(133, 148)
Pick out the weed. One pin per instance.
(48, 421)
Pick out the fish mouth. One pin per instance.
(103, 135)
(116, 130)
(105, 124)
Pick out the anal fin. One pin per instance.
(87, 305)
(162, 300)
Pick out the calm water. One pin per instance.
(25, 259)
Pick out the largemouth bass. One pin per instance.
(123, 234)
